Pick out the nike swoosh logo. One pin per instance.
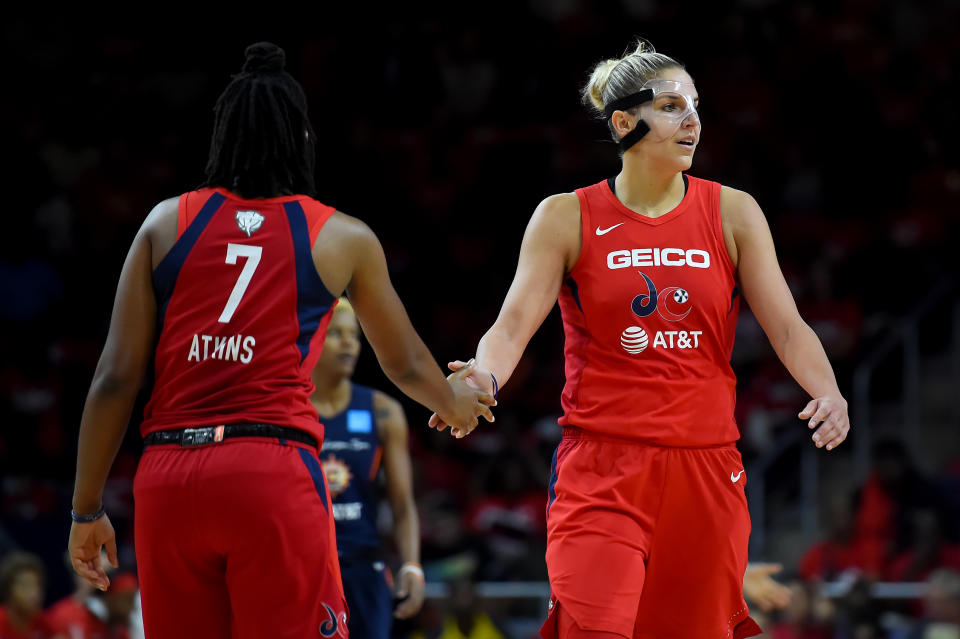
(735, 478)
(605, 231)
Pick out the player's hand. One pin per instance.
(478, 377)
(84, 546)
(469, 404)
(411, 590)
(828, 416)
(761, 589)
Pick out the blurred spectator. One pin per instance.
(858, 613)
(91, 614)
(892, 492)
(22, 577)
(942, 618)
(837, 553)
(508, 517)
(465, 617)
(798, 620)
(927, 551)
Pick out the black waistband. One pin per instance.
(214, 434)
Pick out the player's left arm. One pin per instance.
(750, 245)
(392, 429)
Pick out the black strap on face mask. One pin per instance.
(627, 102)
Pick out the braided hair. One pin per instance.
(263, 143)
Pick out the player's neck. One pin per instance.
(646, 190)
(331, 394)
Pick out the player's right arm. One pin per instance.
(113, 391)
(550, 249)
(402, 355)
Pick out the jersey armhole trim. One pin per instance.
(717, 215)
(583, 198)
(317, 215)
(182, 222)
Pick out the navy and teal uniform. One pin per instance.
(351, 460)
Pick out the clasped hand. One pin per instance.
(477, 381)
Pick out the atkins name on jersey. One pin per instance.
(231, 348)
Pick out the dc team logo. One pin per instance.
(337, 473)
(249, 221)
(335, 625)
(673, 305)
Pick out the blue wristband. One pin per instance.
(496, 386)
(86, 519)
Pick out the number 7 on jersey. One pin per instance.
(252, 253)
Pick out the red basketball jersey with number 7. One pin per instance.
(242, 314)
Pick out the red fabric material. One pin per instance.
(875, 527)
(648, 356)
(234, 541)
(828, 558)
(634, 525)
(948, 556)
(787, 631)
(38, 629)
(249, 368)
(71, 619)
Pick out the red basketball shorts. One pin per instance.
(647, 542)
(236, 540)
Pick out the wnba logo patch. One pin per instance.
(335, 625)
(249, 221)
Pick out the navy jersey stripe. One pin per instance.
(167, 271)
(552, 486)
(316, 474)
(575, 290)
(313, 298)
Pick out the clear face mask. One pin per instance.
(673, 105)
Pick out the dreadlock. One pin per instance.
(263, 143)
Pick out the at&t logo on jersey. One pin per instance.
(634, 339)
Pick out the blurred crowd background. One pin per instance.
(443, 135)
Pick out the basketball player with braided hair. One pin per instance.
(226, 294)
(647, 521)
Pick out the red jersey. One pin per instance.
(649, 315)
(242, 314)
(72, 619)
(38, 628)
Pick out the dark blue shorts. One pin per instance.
(368, 597)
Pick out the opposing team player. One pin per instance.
(228, 291)
(647, 521)
(363, 426)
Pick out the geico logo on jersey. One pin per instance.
(658, 257)
(232, 348)
(635, 340)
